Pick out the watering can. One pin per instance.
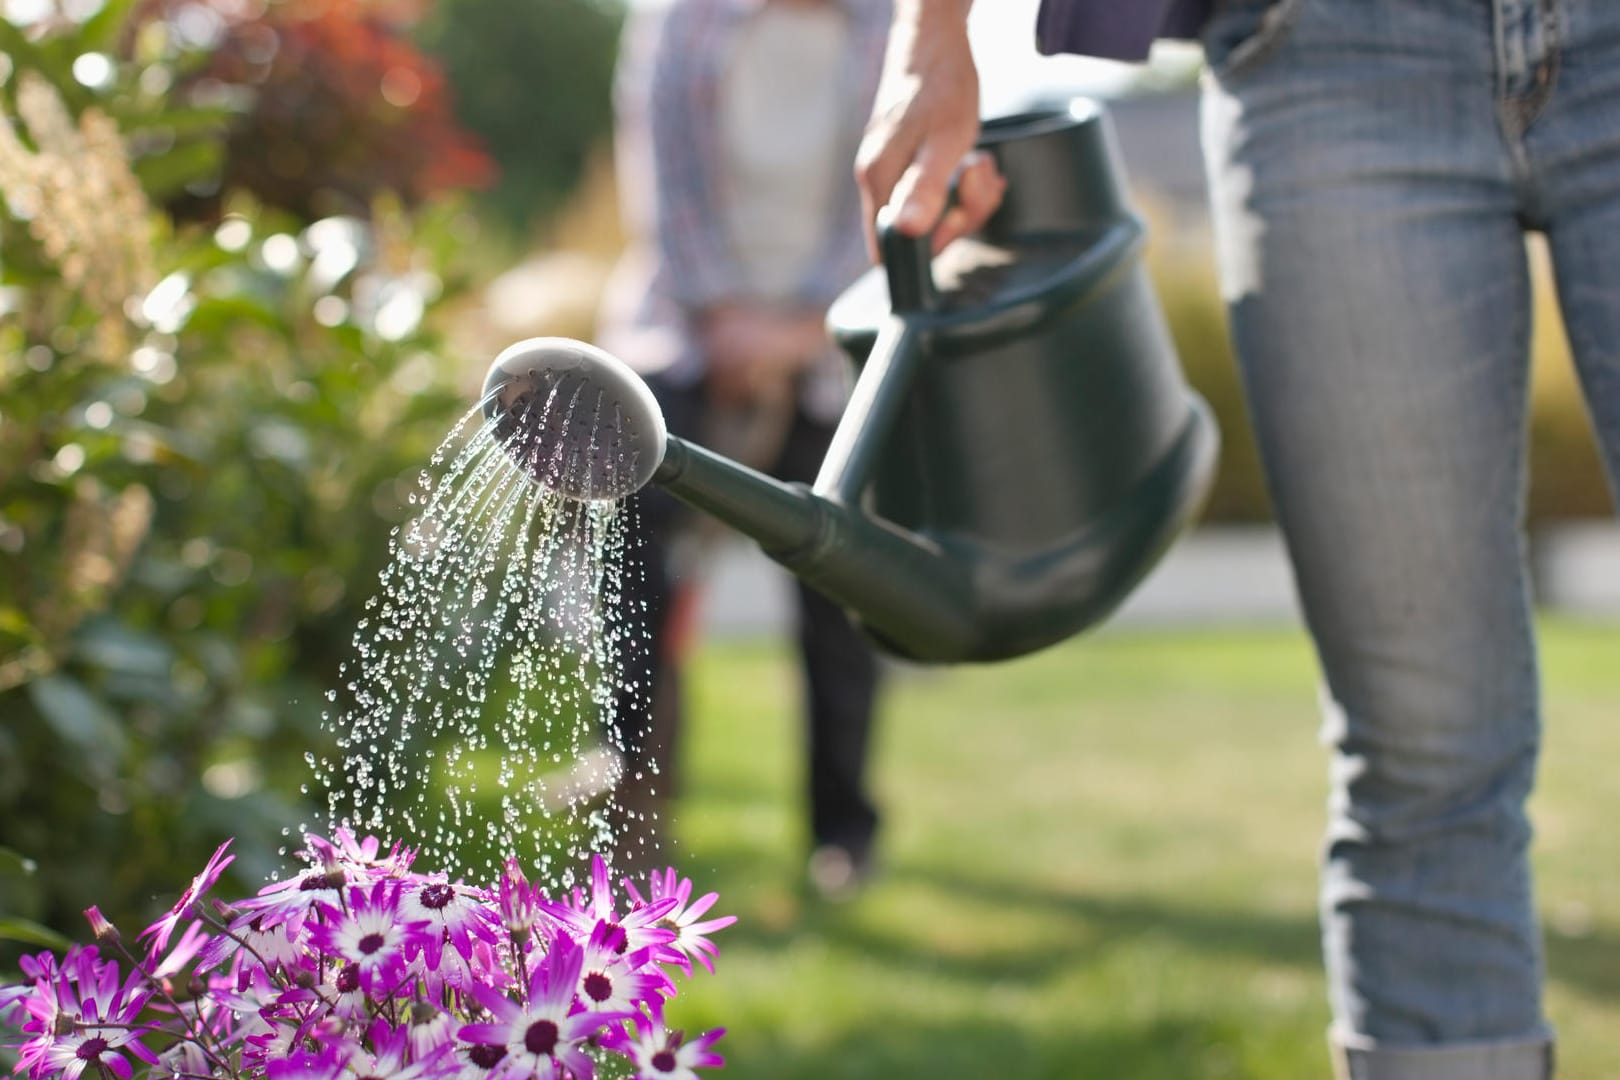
(1020, 447)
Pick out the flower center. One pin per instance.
(312, 882)
(664, 1061)
(371, 943)
(92, 1048)
(437, 896)
(616, 934)
(598, 987)
(486, 1056)
(541, 1038)
(348, 980)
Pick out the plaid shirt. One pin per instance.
(669, 164)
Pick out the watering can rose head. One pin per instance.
(577, 419)
(361, 966)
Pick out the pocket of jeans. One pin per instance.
(1242, 34)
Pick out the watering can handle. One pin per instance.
(907, 264)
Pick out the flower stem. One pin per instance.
(197, 1036)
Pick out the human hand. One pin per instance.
(755, 351)
(924, 124)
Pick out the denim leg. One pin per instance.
(1371, 251)
(1572, 153)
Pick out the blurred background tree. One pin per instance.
(513, 67)
(333, 104)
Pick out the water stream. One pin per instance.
(472, 713)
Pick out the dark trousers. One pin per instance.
(840, 669)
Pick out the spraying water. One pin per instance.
(485, 675)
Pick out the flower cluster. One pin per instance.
(361, 968)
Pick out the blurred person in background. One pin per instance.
(1374, 166)
(737, 120)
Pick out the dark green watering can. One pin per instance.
(1020, 448)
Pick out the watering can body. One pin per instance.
(1020, 447)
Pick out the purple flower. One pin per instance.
(333, 865)
(159, 931)
(183, 1059)
(274, 1041)
(275, 946)
(661, 1054)
(361, 969)
(615, 981)
(329, 1062)
(461, 973)
(105, 932)
(357, 856)
(387, 1055)
(346, 996)
(519, 903)
(253, 1010)
(457, 914)
(293, 902)
(11, 1002)
(371, 935)
(691, 936)
(478, 1060)
(82, 1017)
(432, 1029)
(185, 950)
(41, 998)
(543, 1035)
(640, 926)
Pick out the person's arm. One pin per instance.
(923, 127)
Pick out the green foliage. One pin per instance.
(533, 80)
(206, 436)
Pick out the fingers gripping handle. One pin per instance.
(906, 264)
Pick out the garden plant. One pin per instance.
(360, 966)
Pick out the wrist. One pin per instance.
(932, 13)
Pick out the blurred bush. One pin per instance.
(1566, 474)
(207, 433)
(533, 81)
(333, 105)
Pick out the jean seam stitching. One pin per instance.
(1274, 29)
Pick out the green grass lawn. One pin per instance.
(1098, 862)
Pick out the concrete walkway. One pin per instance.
(1214, 576)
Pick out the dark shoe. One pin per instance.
(837, 874)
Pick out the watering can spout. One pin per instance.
(584, 425)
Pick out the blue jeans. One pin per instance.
(1374, 168)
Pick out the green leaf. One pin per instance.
(14, 621)
(112, 646)
(101, 31)
(165, 174)
(24, 53)
(14, 864)
(19, 884)
(182, 122)
(77, 716)
(32, 933)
